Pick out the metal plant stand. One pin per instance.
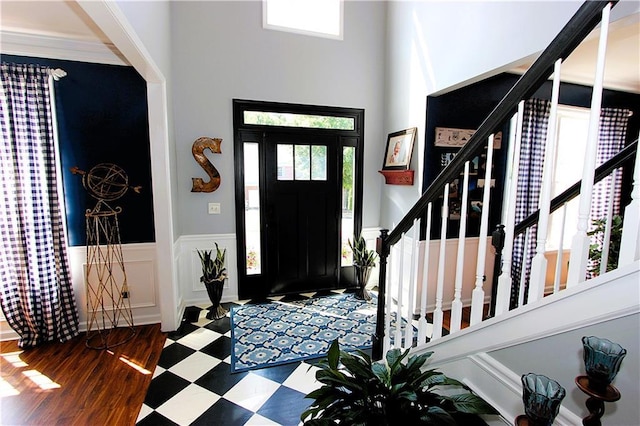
(108, 297)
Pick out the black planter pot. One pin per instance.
(191, 313)
(214, 290)
(362, 278)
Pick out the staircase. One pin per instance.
(533, 324)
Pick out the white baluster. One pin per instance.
(630, 243)
(523, 270)
(456, 305)
(580, 243)
(408, 331)
(437, 312)
(386, 342)
(539, 262)
(398, 337)
(422, 323)
(558, 273)
(606, 239)
(477, 296)
(509, 219)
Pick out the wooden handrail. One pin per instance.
(574, 190)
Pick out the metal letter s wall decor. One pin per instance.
(199, 185)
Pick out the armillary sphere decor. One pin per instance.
(108, 295)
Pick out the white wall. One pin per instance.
(151, 22)
(434, 46)
(221, 52)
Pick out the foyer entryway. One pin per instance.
(298, 196)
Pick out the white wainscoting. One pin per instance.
(370, 235)
(140, 266)
(451, 255)
(191, 290)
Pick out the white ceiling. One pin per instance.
(66, 20)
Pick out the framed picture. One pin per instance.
(397, 156)
(457, 138)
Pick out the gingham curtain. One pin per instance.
(611, 139)
(37, 296)
(612, 135)
(534, 136)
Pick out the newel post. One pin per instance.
(497, 240)
(382, 248)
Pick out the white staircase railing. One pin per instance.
(422, 281)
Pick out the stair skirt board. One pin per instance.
(499, 386)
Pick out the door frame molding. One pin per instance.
(353, 137)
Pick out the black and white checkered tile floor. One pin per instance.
(193, 383)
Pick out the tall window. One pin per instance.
(572, 128)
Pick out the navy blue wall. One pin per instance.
(102, 118)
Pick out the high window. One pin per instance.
(322, 18)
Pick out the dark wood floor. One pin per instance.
(70, 384)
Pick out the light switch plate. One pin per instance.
(214, 208)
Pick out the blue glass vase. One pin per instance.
(542, 397)
(602, 359)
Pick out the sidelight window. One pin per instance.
(348, 202)
(252, 207)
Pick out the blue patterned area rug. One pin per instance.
(281, 332)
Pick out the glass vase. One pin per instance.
(602, 359)
(542, 397)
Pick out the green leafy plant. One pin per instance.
(361, 256)
(213, 267)
(595, 248)
(358, 391)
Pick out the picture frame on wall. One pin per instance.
(397, 155)
(447, 137)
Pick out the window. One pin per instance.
(265, 118)
(322, 18)
(348, 202)
(572, 128)
(302, 162)
(252, 207)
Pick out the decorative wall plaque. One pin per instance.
(213, 144)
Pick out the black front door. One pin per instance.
(302, 211)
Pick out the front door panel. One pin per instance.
(302, 212)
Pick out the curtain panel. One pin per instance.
(611, 139)
(36, 291)
(534, 137)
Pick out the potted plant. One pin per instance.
(363, 260)
(357, 391)
(213, 276)
(595, 248)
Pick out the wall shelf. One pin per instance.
(397, 177)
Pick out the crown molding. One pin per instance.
(41, 46)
